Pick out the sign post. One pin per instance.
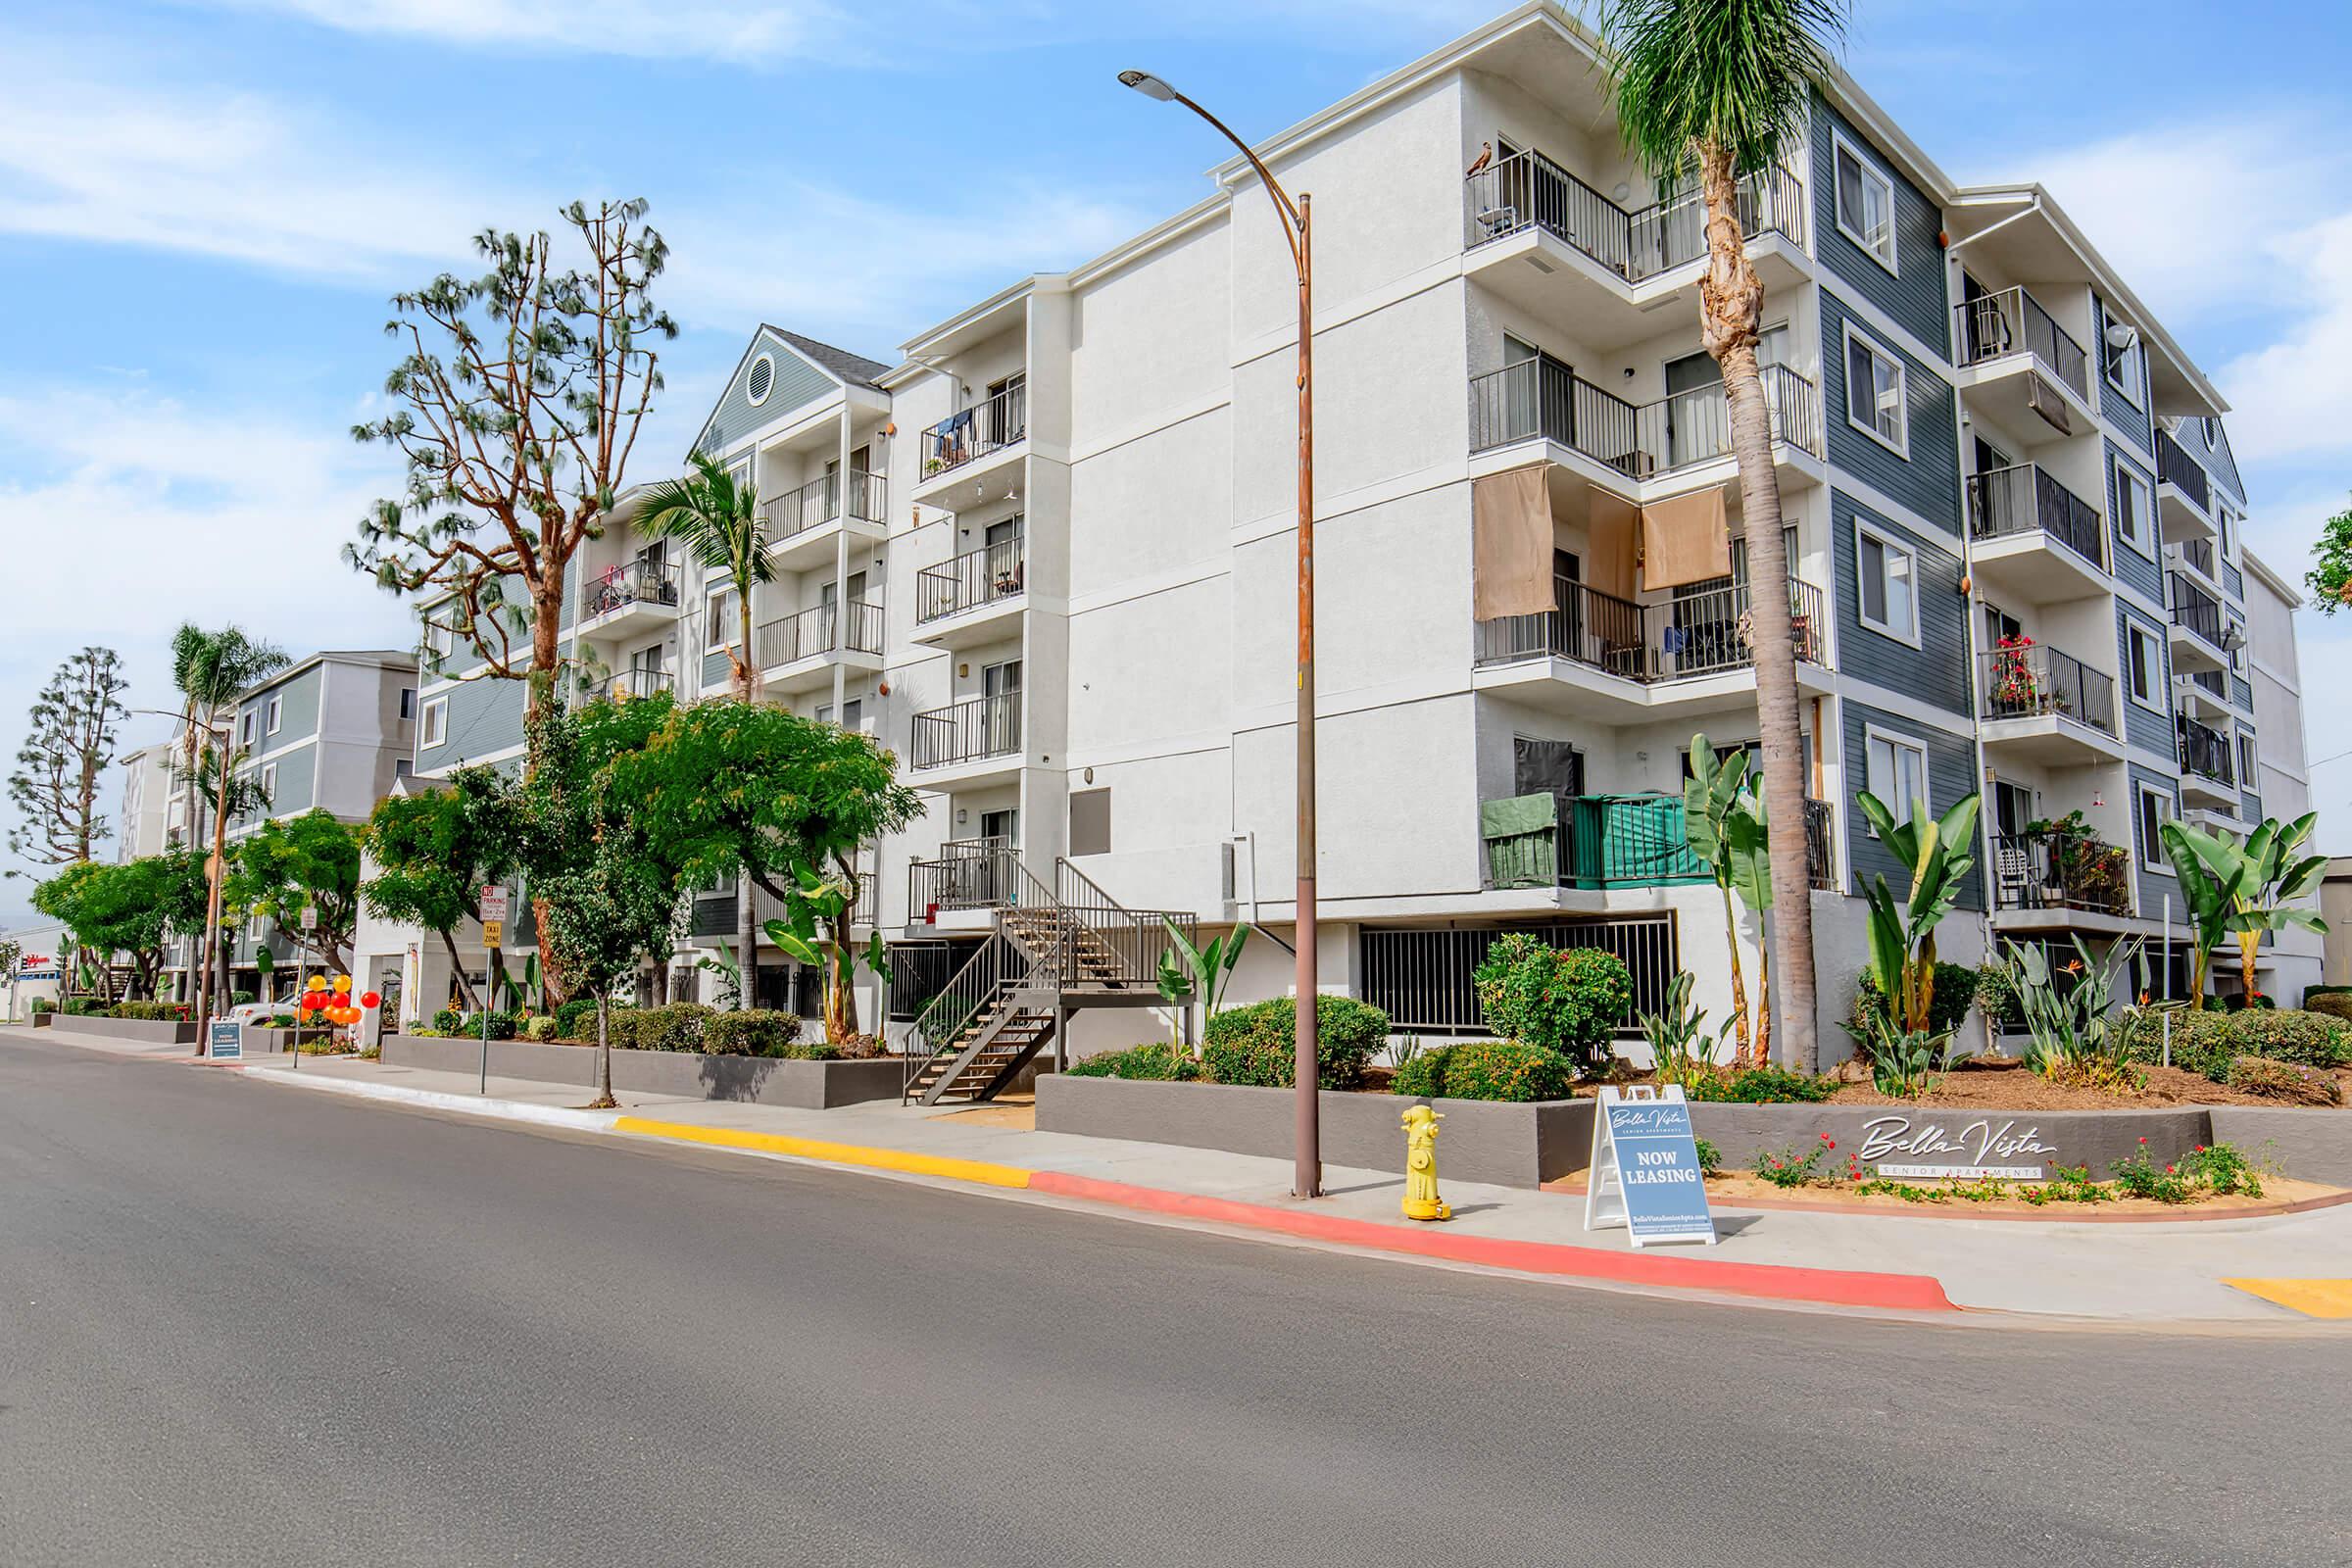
(494, 932)
(1644, 1173)
(228, 1039)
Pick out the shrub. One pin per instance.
(1253, 1045)
(446, 1022)
(576, 1019)
(757, 1033)
(1787, 1168)
(541, 1027)
(1423, 1075)
(1768, 1085)
(675, 1026)
(2208, 1042)
(1710, 1158)
(152, 1011)
(44, 1005)
(281, 1020)
(2285, 1081)
(1956, 986)
(78, 1007)
(1569, 1001)
(239, 998)
(1156, 1061)
(1506, 1069)
(2333, 1004)
(502, 1025)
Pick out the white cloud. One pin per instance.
(2291, 397)
(642, 28)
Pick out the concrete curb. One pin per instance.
(977, 1171)
(593, 1121)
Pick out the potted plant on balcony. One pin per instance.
(2016, 688)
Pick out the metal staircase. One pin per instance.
(1055, 948)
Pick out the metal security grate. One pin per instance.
(1421, 978)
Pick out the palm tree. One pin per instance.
(2244, 889)
(213, 669)
(720, 524)
(1723, 84)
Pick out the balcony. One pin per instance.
(2023, 362)
(624, 684)
(2206, 692)
(635, 596)
(968, 875)
(1544, 239)
(2046, 705)
(2198, 638)
(1604, 841)
(970, 597)
(797, 651)
(2048, 879)
(1601, 656)
(1544, 400)
(2036, 542)
(2207, 775)
(802, 523)
(2184, 495)
(967, 436)
(969, 742)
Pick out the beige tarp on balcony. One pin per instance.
(1613, 555)
(1686, 540)
(1510, 545)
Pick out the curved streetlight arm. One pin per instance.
(1294, 222)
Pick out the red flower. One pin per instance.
(2143, 1139)
(1825, 1138)
(2172, 1170)
(2200, 1149)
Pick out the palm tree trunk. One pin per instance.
(1731, 304)
(1730, 938)
(747, 669)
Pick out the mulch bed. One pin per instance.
(2281, 1194)
(2002, 1083)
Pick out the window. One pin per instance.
(1898, 774)
(1889, 574)
(1090, 821)
(1865, 204)
(2122, 365)
(276, 715)
(853, 713)
(760, 379)
(408, 703)
(2155, 809)
(2249, 765)
(439, 640)
(2133, 520)
(245, 728)
(1874, 393)
(2143, 666)
(436, 723)
(269, 784)
(2226, 525)
(402, 768)
(720, 616)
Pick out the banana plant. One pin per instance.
(822, 901)
(1723, 820)
(2244, 890)
(1175, 989)
(1203, 971)
(1903, 936)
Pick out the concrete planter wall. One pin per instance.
(759, 1080)
(2309, 1145)
(263, 1041)
(1480, 1141)
(152, 1031)
(1944, 1134)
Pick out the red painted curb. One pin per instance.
(1907, 1292)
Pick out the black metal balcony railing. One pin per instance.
(967, 731)
(992, 424)
(971, 579)
(2176, 467)
(818, 629)
(1619, 841)
(2031, 680)
(2024, 499)
(1821, 858)
(1528, 190)
(1545, 398)
(2060, 873)
(2197, 554)
(1992, 327)
(2195, 610)
(2204, 752)
(2214, 683)
(1696, 634)
(622, 683)
(818, 502)
(635, 582)
(968, 875)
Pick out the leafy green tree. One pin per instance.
(311, 860)
(435, 851)
(731, 786)
(60, 769)
(2330, 577)
(1723, 821)
(719, 524)
(1717, 87)
(2244, 890)
(131, 908)
(604, 913)
(515, 402)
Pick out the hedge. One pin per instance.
(2208, 1042)
(1154, 1060)
(676, 1026)
(1486, 1069)
(755, 1033)
(1256, 1044)
(2334, 1003)
(576, 1019)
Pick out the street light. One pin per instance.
(1307, 1180)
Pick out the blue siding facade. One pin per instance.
(1952, 775)
(2132, 567)
(1936, 670)
(1927, 479)
(2129, 415)
(484, 717)
(2241, 692)
(2154, 886)
(796, 382)
(2152, 731)
(1915, 295)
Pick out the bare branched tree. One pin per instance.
(61, 770)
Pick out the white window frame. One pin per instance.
(1891, 258)
(1900, 444)
(2151, 850)
(752, 370)
(276, 714)
(1873, 736)
(2127, 361)
(718, 609)
(2249, 761)
(432, 724)
(2134, 630)
(245, 728)
(2142, 542)
(269, 780)
(440, 641)
(1887, 539)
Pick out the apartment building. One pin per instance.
(153, 816)
(1047, 557)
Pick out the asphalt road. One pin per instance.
(250, 1325)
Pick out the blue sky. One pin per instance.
(203, 206)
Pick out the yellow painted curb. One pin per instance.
(2328, 1298)
(899, 1159)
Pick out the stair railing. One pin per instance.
(1001, 965)
(1126, 943)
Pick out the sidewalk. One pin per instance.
(2141, 1273)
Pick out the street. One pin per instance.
(250, 1325)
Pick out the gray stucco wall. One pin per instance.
(1927, 478)
(1914, 294)
(1951, 774)
(761, 1080)
(1936, 670)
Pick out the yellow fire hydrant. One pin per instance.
(1421, 1200)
